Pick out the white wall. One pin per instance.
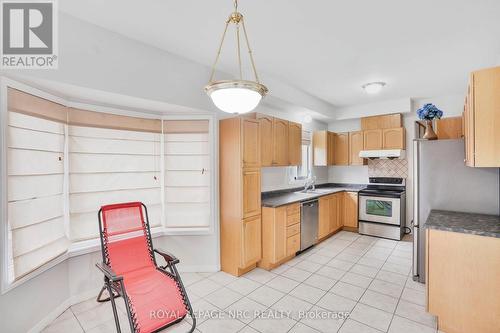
(451, 105)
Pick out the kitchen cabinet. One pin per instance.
(320, 143)
(280, 234)
(449, 128)
(324, 216)
(482, 119)
(350, 210)
(294, 143)
(280, 142)
(382, 121)
(251, 192)
(251, 143)
(372, 139)
(266, 139)
(251, 235)
(462, 273)
(341, 148)
(330, 151)
(239, 194)
(355, 146)
(393, 138)
(330, 218)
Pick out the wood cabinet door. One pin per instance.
(251, 241)
(469, 125)
(250, 143)
(294, 143)
(334, 212)
(331, 150)
(355, 146)
(394, 138)
(266, 140)
(372, 139)
(341, 148)
(449, 128)
(351, 209)
(324, 216)
(251, 192)
(485, 107)
(280, 142)
(320, 148)
(280, 227)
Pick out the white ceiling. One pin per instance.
(328, 48)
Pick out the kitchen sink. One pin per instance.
(316, 191)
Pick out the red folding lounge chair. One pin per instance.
(154, 297)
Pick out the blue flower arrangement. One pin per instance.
(429, 111)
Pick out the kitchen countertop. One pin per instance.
(284, 197)
(467, 223)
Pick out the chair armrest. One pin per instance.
(108, 272)
(169, 257)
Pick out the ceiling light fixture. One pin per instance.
(236, 96)
(308, 118)
(373, 87)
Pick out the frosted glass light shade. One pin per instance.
(236, 96)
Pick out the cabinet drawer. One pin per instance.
(292, 245)
(293, 230)
(292, 219)
(293, 209)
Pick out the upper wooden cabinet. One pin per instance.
(482, 119)
(355, 146)
(280, 142)
(449, 128)
(251, 143)
(341, 148)
(321, 143)
(393, 138)
(381, 122)
(294, 143)
(372, 139)
(266, 139)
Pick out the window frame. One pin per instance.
(93, 245)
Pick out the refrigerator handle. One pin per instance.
(416, 218)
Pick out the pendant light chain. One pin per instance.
(250, 51)
(239, 49)
(219, 51)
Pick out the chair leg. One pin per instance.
(173, 269)
(113, 304)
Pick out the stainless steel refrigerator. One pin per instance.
(442, 181)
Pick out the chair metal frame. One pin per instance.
(116, 288)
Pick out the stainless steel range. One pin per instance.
(382, 208)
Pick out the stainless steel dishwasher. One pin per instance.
(308, 224)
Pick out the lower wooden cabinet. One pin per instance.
(251, 239)
(350, 209)
(330, 214)
(280, 234)
(292, 245)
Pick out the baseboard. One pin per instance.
(93, 293)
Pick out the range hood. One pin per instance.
(383, 154)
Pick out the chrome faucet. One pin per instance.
(310, 183)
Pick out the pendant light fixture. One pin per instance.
(236, 96)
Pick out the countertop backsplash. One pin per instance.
(388, 168)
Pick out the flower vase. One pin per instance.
(429, 131)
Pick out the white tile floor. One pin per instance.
(365, 276)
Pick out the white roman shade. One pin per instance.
(112, 159)
(187, 173)
(35, 181)
(306, 137)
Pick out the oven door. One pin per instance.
(380, 209)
